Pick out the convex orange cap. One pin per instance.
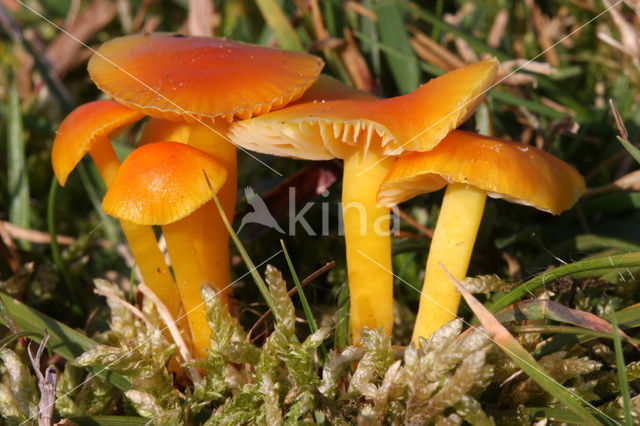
(516, 172)
(319, 129)
(194, 78)
(82, 129)
(161, 183)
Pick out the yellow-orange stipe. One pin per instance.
(473, 166)
(162, 183)
(87, 129)
(331, 121)
(177, 77)
(209, 234)
(367, 243)
(321, 129)
(82, 129)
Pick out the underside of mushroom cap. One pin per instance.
(320, 129)
(516, 172)
(162, 182)
(82, 128)
(196, 78)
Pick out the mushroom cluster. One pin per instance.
(367, 133)
(192, 87)
(203, 97)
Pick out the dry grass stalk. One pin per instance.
(200, 18)
(169, 321)
(431, 48)
(361, 10)
(498, 28)
(541, 24)
(355, 63)
(64, 50)
(465, 51)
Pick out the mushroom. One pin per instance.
(162, 183)
(201, 85)
(472, 166)
(87, 129)
(367, 133)
(208, 231)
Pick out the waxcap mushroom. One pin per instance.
(196, 78)
(514, 171)
(87, 129)
(320, 129)
(472, 166)
(82, 128)
(162, 182)
(333, 122)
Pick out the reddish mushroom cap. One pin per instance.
(516, 172)
(162, 182)
(82, 128)
(193, 78)
(321, 129)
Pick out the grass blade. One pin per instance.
(342, 336)
(524, 360)
(622, 371)
(535, 309)
(17, 179)
(64, 341)
(635, 152)
(55, 248)
(628, 317)
(262, 286)
(599, 264)
(624, 135)
(109, 421)
(110, 229)
(18, 335)
(406, 72)
(279, 24)
(313, 327)
(565, 330)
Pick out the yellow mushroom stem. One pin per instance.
(368, 243)
(141, 238)
(452, 244)
(189, 277)
(210, 235)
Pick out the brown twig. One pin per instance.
(356, 64)
(46, 384)
(64, 51)
(7, 246)
(411, 221)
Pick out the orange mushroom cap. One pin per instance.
(516, 172)
(82, 128)
(193, 78)
(320, 129)
(161, 183)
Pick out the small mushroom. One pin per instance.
(472, 166)
(87, 129)
(367, 133)
(200, 85)
(162, 183)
